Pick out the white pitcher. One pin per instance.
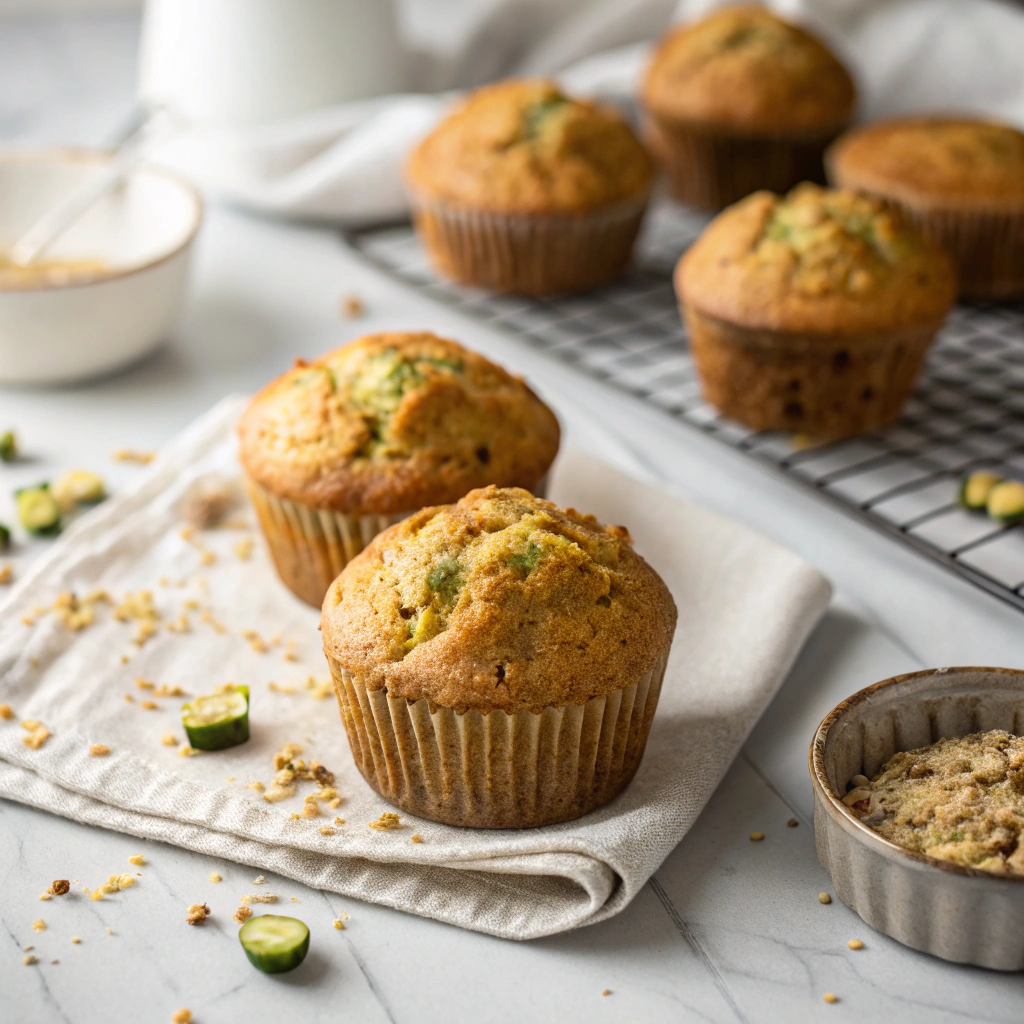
(241, 62)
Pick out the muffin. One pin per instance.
(525, 190)
(337, 449)
(960, 181)
(498, 662)
(742, 100)
(812, 312)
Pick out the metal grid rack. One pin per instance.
(967, 412)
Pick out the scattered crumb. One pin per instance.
(137, 859)
(258, 897)
(133, 455)
(98, 750)
(29, 959)
(352, 307)
(387, 822)
(242, 914)
(144, 684)
(229, 778)
(823, 897)
(115, 883)
(214, 877)
(6, 574)
(295, 817)
(128, 697)
(792, 823)
(185, 750)
(167, 690)
(339, 924)
(756, 837)
(607, 992)
(27, 949)
(38, 734)
(197, 913)
(59, 887)
(139, 608)
(76, 940)
(326, 830)
(44, 895)
(257, 785)
(855, 944)
(310, 808)
(169, 739)
(416, 838)
(5, 712)
(260, 880)
(243, 548)
(39, 926)
(110, 931)
(830, 997)
(149, 705)
(54, 961)
(124, 659)
(182, 1016)
(339, 821)
(295, 899)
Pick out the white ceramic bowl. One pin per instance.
(141, 233)
(957, 913)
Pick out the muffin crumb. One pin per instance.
(242, 914)
(352, 307)
(823, 897)
(756, 837)
(197, 913)
(855, 944)
(98, 750)
(59, 887)
(792, 823)
(387, 822)
(830, 997)
(182, 1016)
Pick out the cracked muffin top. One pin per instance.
(502, 601)
(934, 161)
(815, 261)
(960, 800)
(746, 69)
(523, 146)
(393, 422)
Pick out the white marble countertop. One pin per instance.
(727, 930)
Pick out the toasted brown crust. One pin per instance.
(929, 162)
(815, 262)
(393, 422)
(502, 601)
(521, 146)
(744, 70)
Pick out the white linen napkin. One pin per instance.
(746, 606)
(345, 163)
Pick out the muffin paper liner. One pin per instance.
(497, 770)
(529, 254)
(310, 546)
(828, 387)
(711, 170)
(987, 247)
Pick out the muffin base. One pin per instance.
(710, 170)
(529, 254)
(825, 386)
(497, 770)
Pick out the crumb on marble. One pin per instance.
(387, 822)
(352, 306)
(830, 997)
(187, 750)
(339, 924)
(39, 926)
(182, 1016)
(28, 959)
(214, 877)
(756, 837)
(259, 897)
(137, 859)
(142, 458)
(823, 897)
(44, 896)
(197, 913)
(76, 940)
(242, 914)
(169, 739)
(98, 750)
(59, 887)
(855, 944)
(149, 705)
(115, 883)
(792, 823)
(6, 712)
(607, 992)
(259, 880)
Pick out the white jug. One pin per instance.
(233, 63)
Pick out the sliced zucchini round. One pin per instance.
(274, 944)
(1006, 502)
(38, 510)
(976, 488)
(218, 720)
(78, 487)
(5, 537)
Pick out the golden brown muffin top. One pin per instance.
(526, 147)
(746, 70)
(503, 601)
(393, 422)
(816, 261)
(934, 161)
(961, 800)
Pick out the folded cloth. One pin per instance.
(345, 164)
(219, 615)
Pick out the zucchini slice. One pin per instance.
(1006, 502)
(274, 944)
(218, 720)
(8, 446)
(38, 510)
(976, 488)
(78, 487)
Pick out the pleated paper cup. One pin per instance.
(310, 546)
(497, 770)
(529, 254)
(711, 169)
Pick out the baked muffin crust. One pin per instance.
(393, 422)
(960, 800)
(746, 69)
(523, 146)
(815, 261)
(502, 601)
(934, 162)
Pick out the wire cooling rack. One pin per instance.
(967, 412)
